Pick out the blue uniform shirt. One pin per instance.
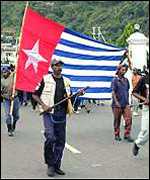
(121, 88)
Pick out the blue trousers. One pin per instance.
(55, 134)
(15, 113)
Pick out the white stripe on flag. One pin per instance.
(71, 61)
(87, 72)
(76, 39)
(90, 84)
(85, 52)
(97, 95)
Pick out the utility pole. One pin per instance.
(100, 34)
(94, 32)
(97, 33)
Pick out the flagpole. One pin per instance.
(16, 64)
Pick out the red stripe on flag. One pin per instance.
(39, 38)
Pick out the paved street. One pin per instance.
(90, 134)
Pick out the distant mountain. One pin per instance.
(111, 16)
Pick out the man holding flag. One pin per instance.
(41, 40)
(39, 37)
(38, 41)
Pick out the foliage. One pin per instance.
(128, 30)
(116, 18)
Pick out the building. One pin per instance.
(8, 53)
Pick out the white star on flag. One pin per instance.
(33, 56)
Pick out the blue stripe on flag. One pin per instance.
(86, 57)
(78, 67)
(84, 47)
(94, 90)
(75, 33)
(89, 78)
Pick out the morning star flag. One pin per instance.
(87, 62)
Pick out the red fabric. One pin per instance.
(127, 115)
(47, 32)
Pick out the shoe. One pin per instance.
(79, 108)
(59, 171)
(76, 112)
(25, 103)
(88, 111)
(128, 138)
(82, 106)
(135, 114)
(135, 149)
(50, 171)
(10, 133)
(118, 138)
(10, 130)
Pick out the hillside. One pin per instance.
(111, 16)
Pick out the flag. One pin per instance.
(38, 42)
(87, 62)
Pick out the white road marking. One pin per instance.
(72, 149)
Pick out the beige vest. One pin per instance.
(48, 92)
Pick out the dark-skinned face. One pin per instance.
(135, 72)
(57, 69)
(6, 74)
(122, 71)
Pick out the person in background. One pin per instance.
(6, 92)
(135, 79)
(120, 103)
(25, 98)
(12, 67)
(141, 92)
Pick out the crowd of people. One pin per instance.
(55, 87)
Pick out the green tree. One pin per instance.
(128, 30)
(81, 16)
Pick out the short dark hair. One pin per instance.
(126, 66)
(55, 61)
(120, 66)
